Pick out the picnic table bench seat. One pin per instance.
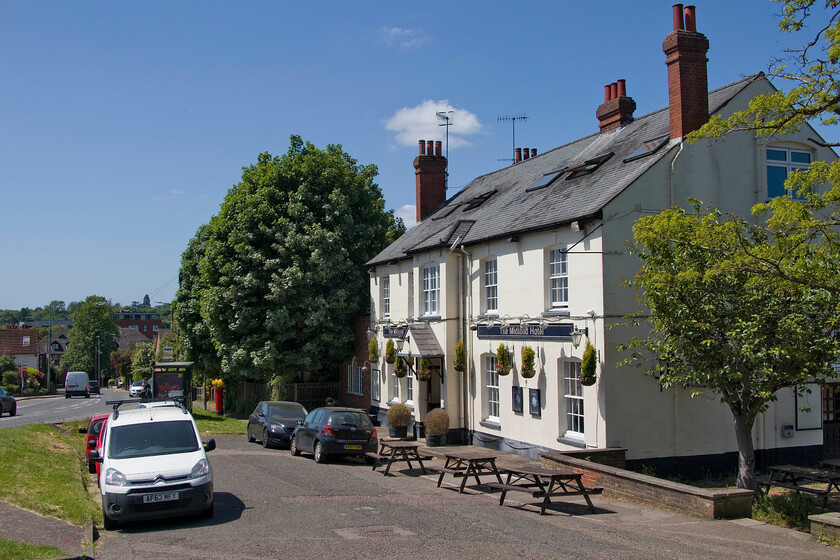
(536, 493)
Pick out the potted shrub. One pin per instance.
(437, 425)
(588, 365)
(502, 360)
(424, 370)
(399, 417)
(460, 362)
(390, 352)
(527, 369)
(399, 368)
(373, 351)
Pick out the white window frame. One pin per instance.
(492, 393)
(431, 290)
(409, 390)
(386, 297)
(355, 380)
(395, 387)
(787, 165)
(573, 410)
(490, 278)
(375, 387)
(558, 278)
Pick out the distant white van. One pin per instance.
(77, 383)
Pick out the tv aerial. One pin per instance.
(445, 119)
(512, 120)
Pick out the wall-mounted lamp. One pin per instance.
(399, 344)
(577, 334)
(473, 326)
(366, 367)
(524, 320)
(575, 226)
(371, 332)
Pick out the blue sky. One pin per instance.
(124, 124)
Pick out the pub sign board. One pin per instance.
(557, 331)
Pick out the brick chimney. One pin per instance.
(617, 109)
(430, 174)
(688, 85)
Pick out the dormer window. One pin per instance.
(544, 181)
(649, 147)
(587, 167)
(478, 201)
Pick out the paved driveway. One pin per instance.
(272, 505)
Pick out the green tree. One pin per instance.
(807, 240)
(282, 265)
(722, 329)
(143, 360)
(94, 330)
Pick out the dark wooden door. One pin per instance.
(831, 420)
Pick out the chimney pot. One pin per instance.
(678, 17)
(525, 153)
(518, 155)
(690, 19)
(613, 90)
(622, 88)
(422, 147)
(617, 110)
(438, 147)
(430, 147)
(606, 93)
(533, 152)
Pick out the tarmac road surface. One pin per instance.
(270, 504)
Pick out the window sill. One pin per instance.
(579, 443)
(489, 316)
(556, 313)
(490, 424)
(429, 318)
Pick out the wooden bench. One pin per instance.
(789, 486)
(545, 484)
(541, 493)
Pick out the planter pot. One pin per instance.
(398, 431)
(529, 373)
(503, 371)
(435, 440)
(588, 381)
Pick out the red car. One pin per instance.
(93, 431)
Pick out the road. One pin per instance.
(59, 409)
(270, 504)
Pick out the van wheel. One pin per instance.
(207, 513)
(107, 523)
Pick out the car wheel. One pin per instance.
(108, 523)
(320, 456)
(250, 437)
(265, 439)
(87, 395)
(14, 410)
(207, 513)
(293, 447)
(66, 396)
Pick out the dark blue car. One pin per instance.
(7, 403)
(273, 422)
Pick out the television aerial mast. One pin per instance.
(512, 120)
(445, 119)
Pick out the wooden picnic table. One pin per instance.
(466, 465)
(545, 484)
(397, 450)
(798, 478)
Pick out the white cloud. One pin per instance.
(421, 123)
(404, 38)
(408, 213)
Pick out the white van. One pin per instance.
(153, 465)
(77, 383)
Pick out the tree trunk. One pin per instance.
(746, 451)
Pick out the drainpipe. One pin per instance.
(468, 304)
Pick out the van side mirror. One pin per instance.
(210, 445)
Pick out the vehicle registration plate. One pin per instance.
(160, 497)
(352, 446)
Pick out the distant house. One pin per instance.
(147, 323)
(129, 338)
(534, 255)
(21, 344)
(57, 341)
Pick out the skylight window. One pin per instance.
(444, 212)
(478, 201)
(588, 166)
(648, 147)
(545, 180)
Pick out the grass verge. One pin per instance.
(210, 423)
(788, 509)
(13, 550)
(42, 469)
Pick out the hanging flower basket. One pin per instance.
(527, 369)
(502, 360)
(424, 370)
(460, 362)
(399, 368)
(589, 365)
(373, 351)
(528, 373)
(390, 352)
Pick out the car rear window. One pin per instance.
(279, 411)
(153, 438)
(350, 419)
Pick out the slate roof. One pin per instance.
(499, 204)
(425, 340)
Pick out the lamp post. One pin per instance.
(577, 334)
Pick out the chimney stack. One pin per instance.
(430, 178)
(617, 109)
(688, 85)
